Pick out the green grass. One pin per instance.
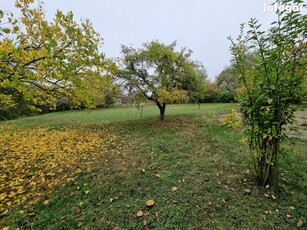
(117, 114)
(207, 163)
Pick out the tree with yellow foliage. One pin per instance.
(42, 61)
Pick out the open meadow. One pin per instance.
(97, 169)
(153, 115)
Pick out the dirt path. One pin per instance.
(300, 124)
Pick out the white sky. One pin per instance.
(199, 25)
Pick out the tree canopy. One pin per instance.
(42, 61)
(227, 79)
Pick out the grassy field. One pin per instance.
(119, 114)
(97, 169)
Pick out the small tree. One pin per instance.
(160, 73)
(271, 67)
(199, 87)
(139, 100)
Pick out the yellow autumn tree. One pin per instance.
(42, 61)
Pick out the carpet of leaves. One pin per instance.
(34, 163)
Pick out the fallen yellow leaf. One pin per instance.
(21, 211)
(46, 202)
(5, 212)
(139, 214)
(150, 203)
(2, 196)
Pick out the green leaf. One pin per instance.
(272, 87)
(6, 30)
(270, 101)
(16, 28)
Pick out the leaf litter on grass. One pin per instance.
(35, 162)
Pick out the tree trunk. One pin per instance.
(267, 163)
(142, 106)
(275, 172)
(162, 110)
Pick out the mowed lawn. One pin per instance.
(96, 170)
(119, 114)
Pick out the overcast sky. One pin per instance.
(199, 25)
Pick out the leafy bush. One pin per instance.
(233, 119)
